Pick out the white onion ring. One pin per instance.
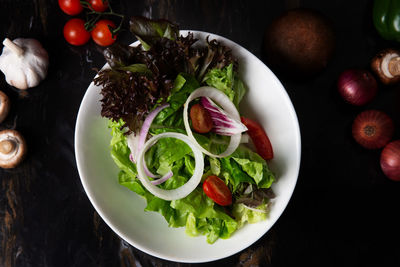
(228, 107)
(183, 190)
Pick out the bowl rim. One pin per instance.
(132, 242)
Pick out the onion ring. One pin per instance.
(228, 107)
(183, 190)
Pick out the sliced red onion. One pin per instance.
(136, 141)
(183, 190)
(162, 179)
(131, 158)
(227, 106)
(148, 172)
(132, 141)
(223, 123)
(146, 126)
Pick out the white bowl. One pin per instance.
(123, 210)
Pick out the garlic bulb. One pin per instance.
(24, 62)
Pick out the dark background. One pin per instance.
(344, 211)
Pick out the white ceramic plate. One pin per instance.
(123, 210)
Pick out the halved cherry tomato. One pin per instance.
(99, 5)
(70, 7)
(101, 33)
(75, 32)
(259, 138)
(201, 119)
(217, 190)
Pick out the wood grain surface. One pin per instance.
(342, 212)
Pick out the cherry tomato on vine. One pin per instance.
(70, 7)
(101, 33)
(217, 190)
(75, 32)
(99, 5)
(259, 138)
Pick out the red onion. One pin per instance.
(148, 172)
(390, 160)
(372, 129)
(357, 87)
(136, 142)
(146, 126)
(224, 124)
(162, 179)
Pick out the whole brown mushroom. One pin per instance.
(4, 106)
(12, 149)
(386, 65)
(300, 42)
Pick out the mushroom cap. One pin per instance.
(27, 70)
(4, 106)
(376, 66)
(14, 143)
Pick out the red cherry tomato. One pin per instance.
(201, 119)
(99, 5)
(101, 33)
(75, 32)
(70, 7)
(259, 138)
(217, 190)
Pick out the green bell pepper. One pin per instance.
(386, 17)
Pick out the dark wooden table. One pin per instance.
(344, 211)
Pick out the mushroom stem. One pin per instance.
(394, 66)
(13, 47)
(7, 146)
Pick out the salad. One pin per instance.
(177, 135)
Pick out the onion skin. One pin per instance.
(357, 87)
(390, 160)
(372, 129)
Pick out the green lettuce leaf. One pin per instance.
(227, 81)
(232, 173)
(205, 217)
(172, 116)
(255, 166)
(119, 148)
(240, 91)
(141, 68)
(243, 214)
(222, 79)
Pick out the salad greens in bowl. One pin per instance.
(187, 145)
